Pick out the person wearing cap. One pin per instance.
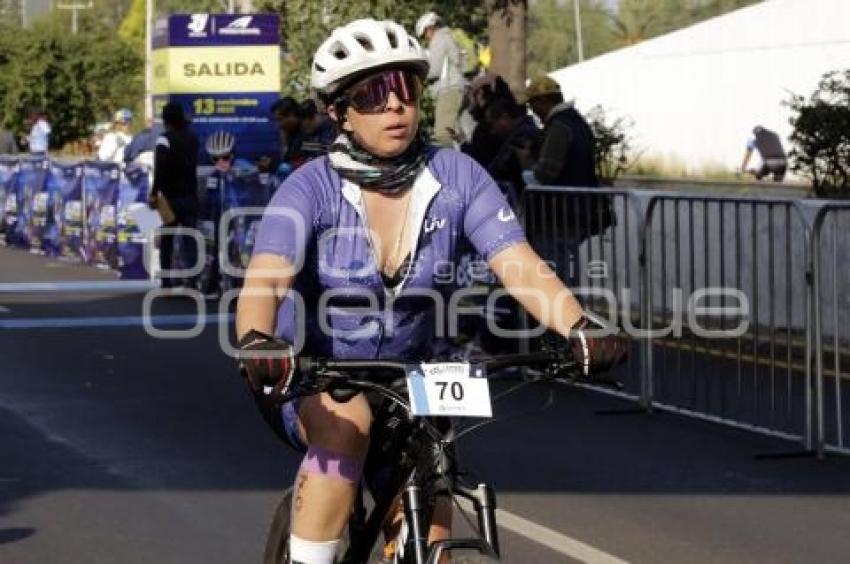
(175, 181)
(769, 147)
(567, 146)
(445, 76)
(111, 148)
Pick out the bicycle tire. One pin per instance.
(277, 539)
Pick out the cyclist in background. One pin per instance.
(773, 158)
(379, 216)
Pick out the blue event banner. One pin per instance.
(29, 184)
(247, 115)
(62, 182)
(220, 193)
(210, 30)
(100, 196)
(132, 197)
(8, 203)
(66, 187)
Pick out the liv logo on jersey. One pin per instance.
(505, 215)
(432, 224)
(198, 25)
(240, 26)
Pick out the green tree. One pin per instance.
(821, 137)
(76, 78)
(613, 144)
(638, 20)
(552, 34)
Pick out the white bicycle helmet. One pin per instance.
(361, 46)
(220, 143)
(425, 21)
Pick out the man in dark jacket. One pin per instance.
(484, 91)
(567, 148)
(175, 178)
(8, 144)
(518, 132)
(769, 147)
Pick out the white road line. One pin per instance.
(111, 321)
(4, 309)
(78, 286)
(549, 538)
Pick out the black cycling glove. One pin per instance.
(267, 363)
(596, 354)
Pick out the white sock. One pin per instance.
(312, 552)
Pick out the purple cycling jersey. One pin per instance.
(339, 306)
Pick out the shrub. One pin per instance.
(821, 137)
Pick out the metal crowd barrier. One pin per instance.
(736, 302)
(830, 280)
(602, 269)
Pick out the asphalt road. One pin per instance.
(118, 447)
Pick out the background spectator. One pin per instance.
(114, 141)
(175, 186)
(769, 147)
(8, 144)
(318, 130)
(519, 134)
(484, 91)
(39, 137)
(286, 113)
(567, 145)
(141, 148)
(445, 75)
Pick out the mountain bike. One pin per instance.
(411, 456)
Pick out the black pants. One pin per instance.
(776, 167)
(186, 211)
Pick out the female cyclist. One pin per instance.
(348, 247)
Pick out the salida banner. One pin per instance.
(224, 69)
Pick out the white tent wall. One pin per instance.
(695, 94)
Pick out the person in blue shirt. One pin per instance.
(141, 148)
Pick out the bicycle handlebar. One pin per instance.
(381, 368)
(344, 378)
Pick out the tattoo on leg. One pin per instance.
(299, 491)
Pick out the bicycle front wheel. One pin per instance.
(277, 540)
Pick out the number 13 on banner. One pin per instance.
(448, 389)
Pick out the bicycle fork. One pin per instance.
(483, 498)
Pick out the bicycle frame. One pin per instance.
(418, 478)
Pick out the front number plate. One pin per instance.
(448, 389)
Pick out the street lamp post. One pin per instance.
(579, 40)
(149, 12)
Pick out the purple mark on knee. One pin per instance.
(328, 463)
